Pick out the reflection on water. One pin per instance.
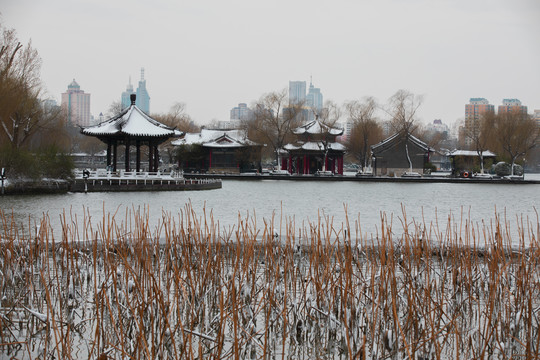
(298, 202)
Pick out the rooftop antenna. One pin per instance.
(142, 74)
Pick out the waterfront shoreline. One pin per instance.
(427, 179)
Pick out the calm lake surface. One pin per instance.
(300, 201)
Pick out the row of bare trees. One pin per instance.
(511, 135)
(275, 118)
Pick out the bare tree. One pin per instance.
(327, 117)
(178, 118)
(114, 109)
(402, 107)
(365, 130)
(273, 120)
(21, 110)
(481, 134)
(515, 133)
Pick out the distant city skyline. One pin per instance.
(446, 51)
(142, 99)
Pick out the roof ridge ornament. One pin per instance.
(133, 97)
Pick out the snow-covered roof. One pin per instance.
(316, 127)
(485, 153)
(315, 146)
(216, 139)
(396, 137)
(132, 122)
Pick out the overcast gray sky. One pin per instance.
(214, 54)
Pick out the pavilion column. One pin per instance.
(209, 159)
(156, 158)
(115, 148)
(109, 149)
(126, 156)
(305, 165)
(290, 163)
(150, 156)
(138, 156)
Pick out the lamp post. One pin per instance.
(3, 177)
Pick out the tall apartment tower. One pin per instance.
(512, 105)
(473, 113)
(314, 101)
(126, 95)
(76, 104)
(143, 99)
(297, 92)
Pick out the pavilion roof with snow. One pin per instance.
(132, 127)
(216, 139)
(471, 153)
(316, 127)
(132, 122)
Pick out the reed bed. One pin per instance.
(117, 288)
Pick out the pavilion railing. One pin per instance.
(106, 174)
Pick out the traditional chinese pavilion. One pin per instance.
(132, 127)
(315, 149)
(218, 151)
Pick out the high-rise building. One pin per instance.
(241, 112)
(126, 100)
(143, 99)
(536, 116)
(512, 105)
(76, 104)
(314, 101)
(297, 92)
(473, 113)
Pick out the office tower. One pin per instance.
(126, 101)
(314, 101)
(297, 92)
(76, 104)
(143, 99)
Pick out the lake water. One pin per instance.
(300, 201)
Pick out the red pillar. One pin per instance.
(326, 163)
(210, 159)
